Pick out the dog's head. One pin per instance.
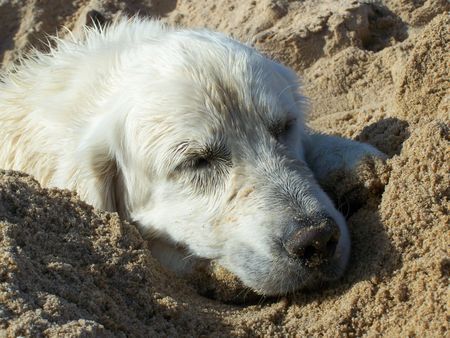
(206, 138)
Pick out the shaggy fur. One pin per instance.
(198, 139)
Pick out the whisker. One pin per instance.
(286, 88)
(294, 103)
(188, 256)
(261, 300)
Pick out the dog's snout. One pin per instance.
(314, 244)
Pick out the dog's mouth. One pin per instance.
(282, 275)
(315, 272)
(329, 271)
(214, 281)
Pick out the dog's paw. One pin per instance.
(354, 185)
(358, 154)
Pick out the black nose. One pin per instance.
(315, 243)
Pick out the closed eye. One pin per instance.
(203, 169)
(282, 128)
(201, 163)
(289, 125)
(197, 162)
(212, 156)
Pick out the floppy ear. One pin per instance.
(100, 179)
(107, 182)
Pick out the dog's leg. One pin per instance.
(327, 154)
(346, 169)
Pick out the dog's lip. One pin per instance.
(294, 274)
(327, 271)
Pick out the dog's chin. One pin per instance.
(282, 275)
(322, 275)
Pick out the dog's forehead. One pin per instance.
(221, 92)
(239, 90)
(232, 108)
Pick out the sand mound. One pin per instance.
(67, 268)
(374, 72)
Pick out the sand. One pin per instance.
(375, 71)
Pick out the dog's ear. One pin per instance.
(100, 179)
(108, 183)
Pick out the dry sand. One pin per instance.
(375, 71)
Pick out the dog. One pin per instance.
(196, 138)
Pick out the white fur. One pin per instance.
(120, 116)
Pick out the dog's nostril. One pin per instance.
(331, 246)
(309, 253)
(315, 244)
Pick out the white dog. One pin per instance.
(196, 138)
